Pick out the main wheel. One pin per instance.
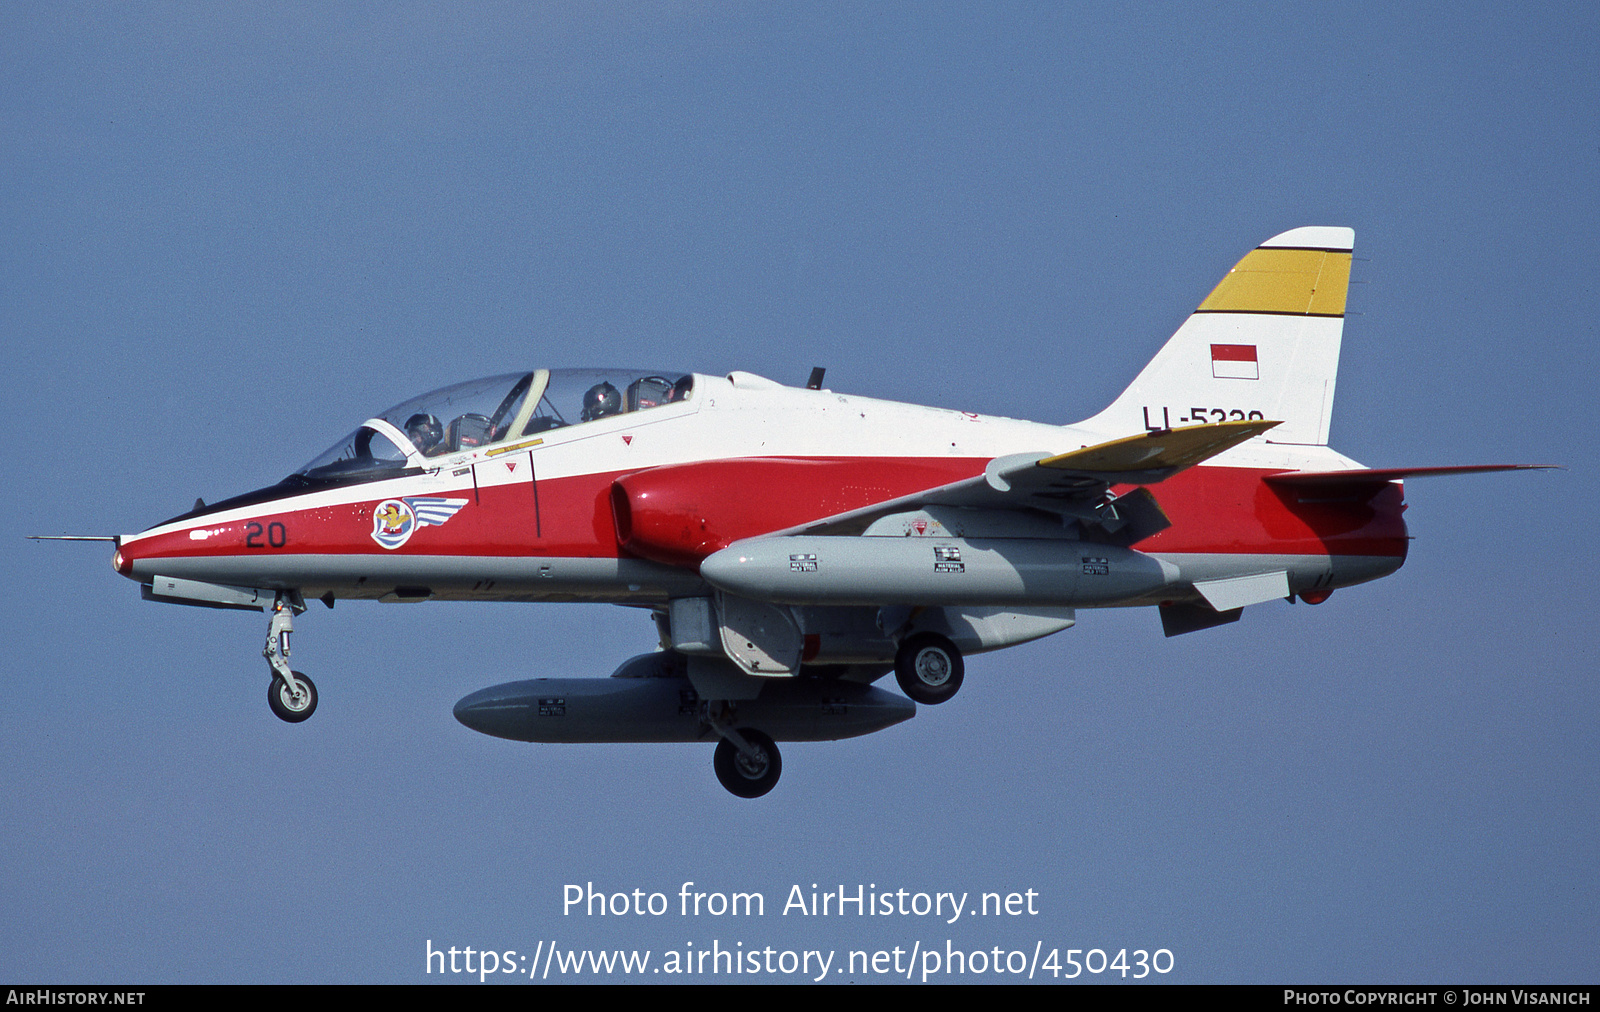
(290, 706)
(928, 668)
(748, 776)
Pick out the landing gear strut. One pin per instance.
(928, 668)
(291, 695)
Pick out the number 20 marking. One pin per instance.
(277, 535)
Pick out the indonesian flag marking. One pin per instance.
(1235, 361)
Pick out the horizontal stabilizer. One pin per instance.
(1383, 475)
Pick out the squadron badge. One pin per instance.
(395, 520)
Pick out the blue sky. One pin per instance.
(231, 234)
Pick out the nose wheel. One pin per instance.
(292, 703)
(291, 695)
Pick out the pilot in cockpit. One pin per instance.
(425, 434)
(601, 401)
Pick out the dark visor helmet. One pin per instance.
(424, 431)
(601, 400)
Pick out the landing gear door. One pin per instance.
(761, 638)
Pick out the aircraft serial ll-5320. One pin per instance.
(796, 545)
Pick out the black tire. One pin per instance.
(740, 775)
(285, 706)
(929, 668)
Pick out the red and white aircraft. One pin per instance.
(797, 544)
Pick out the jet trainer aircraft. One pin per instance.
(795, 544)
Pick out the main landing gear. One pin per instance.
(751, 769)
(928, 668)
(747, 761)
(291, 695)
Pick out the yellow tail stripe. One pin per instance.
(1275, 280)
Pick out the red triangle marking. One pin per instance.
(627, 440)
(511, 465)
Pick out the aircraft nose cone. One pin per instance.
(130, 552)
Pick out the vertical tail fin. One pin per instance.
(1263, 345)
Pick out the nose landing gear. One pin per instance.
(292, 704)
(291, 695)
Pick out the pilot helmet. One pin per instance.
(601, 400)
(424, 430)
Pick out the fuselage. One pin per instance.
(622, 507)
(796, 545)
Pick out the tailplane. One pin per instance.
(1264, 345)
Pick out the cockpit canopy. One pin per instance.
(498, 409)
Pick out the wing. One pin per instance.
(1069, 484)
